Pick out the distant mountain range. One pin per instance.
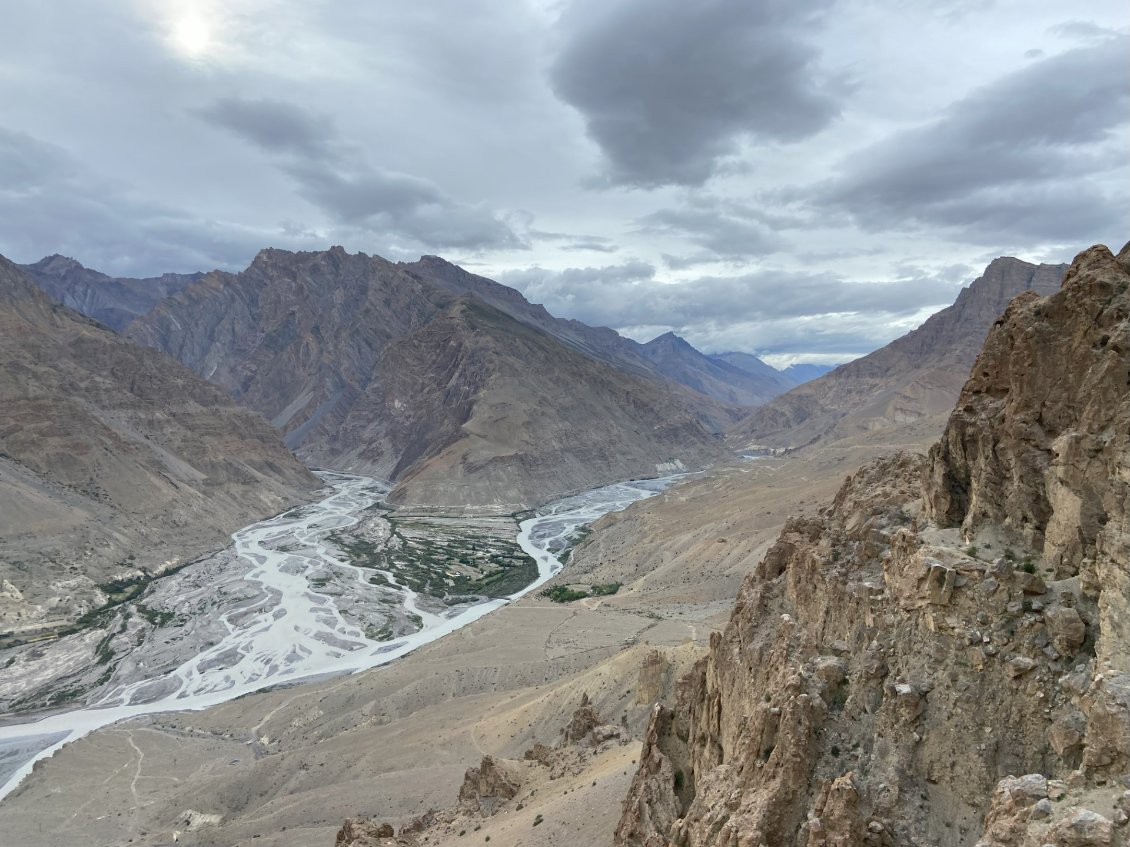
(469, 397)
(790, 377)
(117, 461)
(450, 384)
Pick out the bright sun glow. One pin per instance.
(191, 35)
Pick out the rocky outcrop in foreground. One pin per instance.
(943, 657)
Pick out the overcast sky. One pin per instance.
(803, 179)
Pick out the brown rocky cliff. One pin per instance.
(1038, 443)
(884, 681)
(1039, 446)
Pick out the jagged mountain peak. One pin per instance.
(335, 256)
(57, 260)
(670, 340)
(64, 267)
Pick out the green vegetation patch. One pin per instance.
(442, 560)
(156, 617)
(565, 594)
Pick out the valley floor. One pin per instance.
(287, 766)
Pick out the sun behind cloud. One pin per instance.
(191, 35)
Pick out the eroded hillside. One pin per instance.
(115, 461)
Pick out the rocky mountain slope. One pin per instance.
(111, 301)
(115, 461)
(914, 377)
(715, 389)
(600, 343)
(942, 657)
(366, 365)
(676, 359)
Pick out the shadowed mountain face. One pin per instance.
(716, 393)
(804, 372)
(114, 458)
(109, 300)
(790, 377)
(913, 378)
(453, 386)
(714, 377)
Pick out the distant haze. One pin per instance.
(803, 180)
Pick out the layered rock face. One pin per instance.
(114, 460)
(914, 377)
(111, 301)
(370, 366)
(941, 658)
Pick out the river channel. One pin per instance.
(280, 629)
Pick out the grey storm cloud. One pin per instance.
(800, 338)
(573, 242)
(1020, 158)
(333, 175)
(723, 228)
(274, 126)
(667, 88)
(629, 294)
(51, 203)
(831, 140)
